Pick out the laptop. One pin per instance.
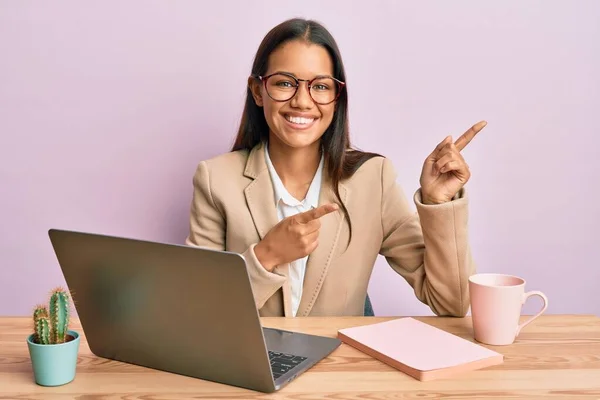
(181, 309)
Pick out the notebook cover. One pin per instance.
(419, 349)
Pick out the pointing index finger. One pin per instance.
(316, 213)
(466, 137)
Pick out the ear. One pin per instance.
(255, 86)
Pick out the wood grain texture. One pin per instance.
(555, 357)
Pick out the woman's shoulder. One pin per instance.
(224, 165)
(371, 165)
(229, 159)
(374, 175)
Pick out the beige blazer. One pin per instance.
(233, 207)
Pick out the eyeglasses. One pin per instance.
(282, 86)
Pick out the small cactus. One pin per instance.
(42, 330)
(40, 311)
(51, 323)
(59, 315)
(41, 325)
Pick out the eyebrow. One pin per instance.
(294, 75)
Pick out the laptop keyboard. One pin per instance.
(282, 362)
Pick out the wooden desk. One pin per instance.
(556, 357)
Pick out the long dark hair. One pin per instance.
(341, 160)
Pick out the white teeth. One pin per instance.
(299, 120)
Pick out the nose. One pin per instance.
(302, 97)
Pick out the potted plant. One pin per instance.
(53, 348)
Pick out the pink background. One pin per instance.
(106, 107)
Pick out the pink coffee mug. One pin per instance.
(496, 304)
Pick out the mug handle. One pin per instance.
(544, 307)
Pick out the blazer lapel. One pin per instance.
(259, 193)
(320, 259)
(261, 203)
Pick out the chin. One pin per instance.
(299, 143)
(298, 139)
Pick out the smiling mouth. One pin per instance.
(299, 120)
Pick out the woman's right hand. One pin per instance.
(293, 238)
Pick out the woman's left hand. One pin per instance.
(445, 171)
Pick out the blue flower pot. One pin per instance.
(54, 364)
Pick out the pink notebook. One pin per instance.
(418, 349)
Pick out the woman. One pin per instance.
(309, 213)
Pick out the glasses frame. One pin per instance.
(264, 80)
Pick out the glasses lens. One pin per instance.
(324, 90)
(281, 87)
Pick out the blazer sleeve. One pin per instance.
(428, 248)
(207, 229)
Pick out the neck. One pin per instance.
(295, 166)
